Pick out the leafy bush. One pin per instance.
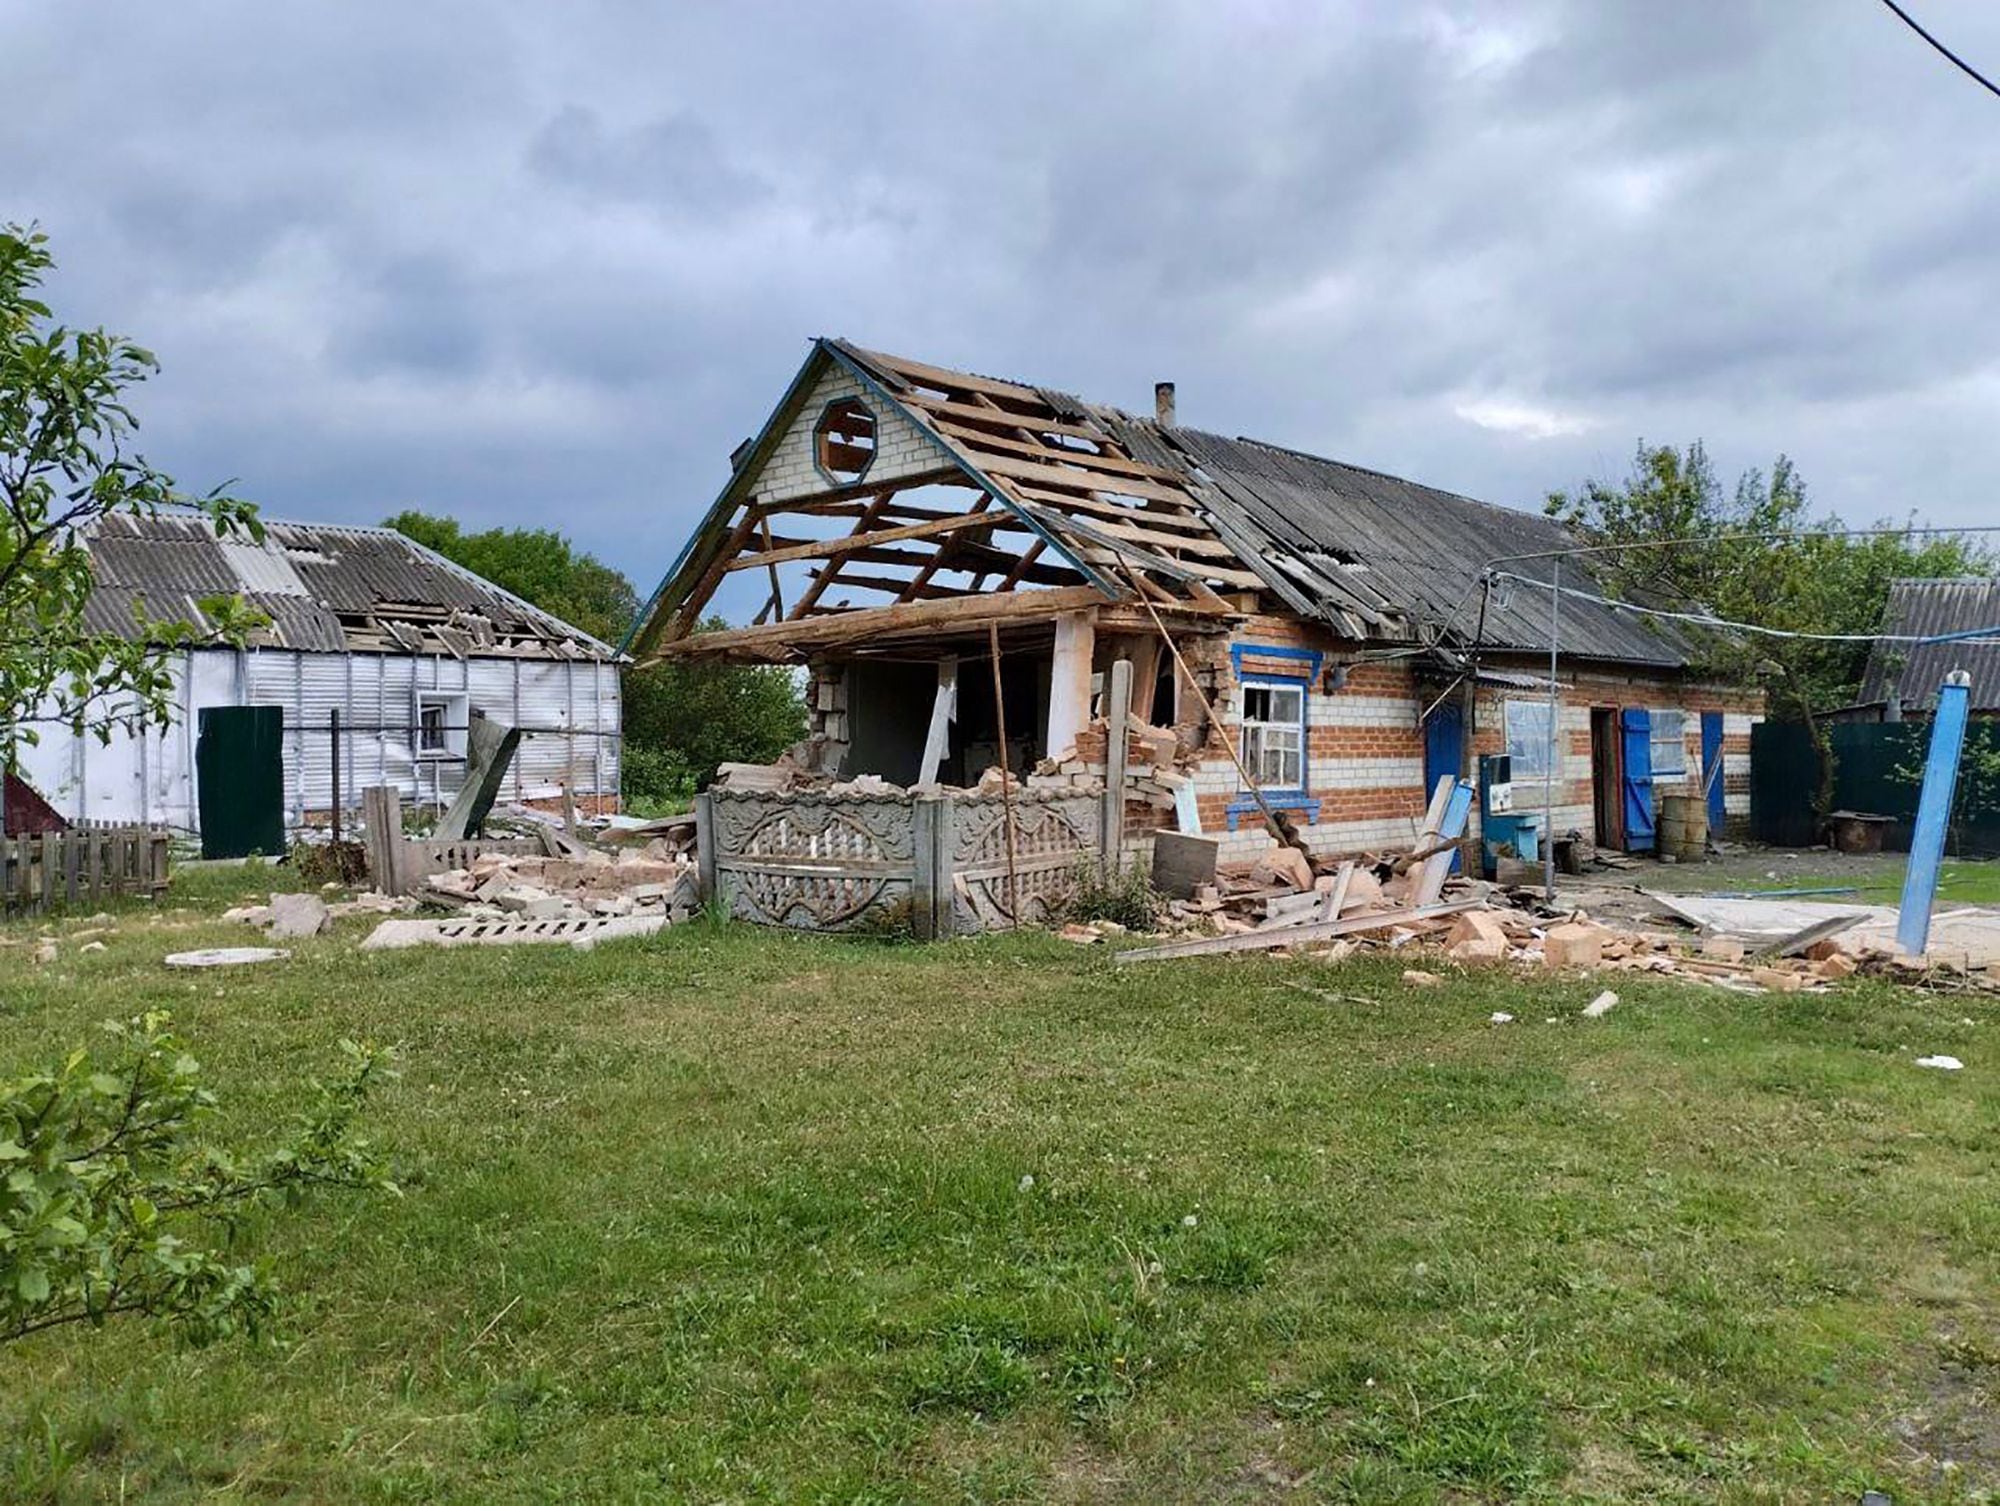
(111, 1202)
(1125, 895)
(655, 781)
(344, 863)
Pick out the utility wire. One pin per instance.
(1977, 636)
(1958, 62)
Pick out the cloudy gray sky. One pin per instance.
(548, 264)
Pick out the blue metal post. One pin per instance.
(1913, 922)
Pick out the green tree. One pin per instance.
(1818, 579)
(538, 565)
(67, 461)
(684, 717)
(113, 1201)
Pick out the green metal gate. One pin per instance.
(239, 764)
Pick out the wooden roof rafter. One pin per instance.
(1085, 509)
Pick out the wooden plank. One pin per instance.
(1338, 897)
(1055, 475)
(1319, 930)
(52, 843)
(72, 858)
(961, 381)
(1132, 527)
(913, 616)
(848, 543)
(996, 418)
(1451, 826)
(1151, 514)
(1112, 464)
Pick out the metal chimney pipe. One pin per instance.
(1163, 402)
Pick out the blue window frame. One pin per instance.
(1271, 729)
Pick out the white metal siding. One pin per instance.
(152, 777)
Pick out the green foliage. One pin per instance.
(1125, 895)
(111, 1197)
(66, 461)
(1975, 796)
(538, 565)
(700, 714)
(344, 863)
(1820, 581)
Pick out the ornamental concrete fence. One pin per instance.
(937, 863)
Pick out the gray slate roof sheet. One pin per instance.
(166, 564)
(1927, 608)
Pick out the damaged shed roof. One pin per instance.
(325, 588)
(1912, 672)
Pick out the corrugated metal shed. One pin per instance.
(1929, 608)
(325, 587)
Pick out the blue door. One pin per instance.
(1444, 745)
(1711, 758)
(1638, 780)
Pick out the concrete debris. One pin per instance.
(582, 934)
(92, 946)
(1600, 1006)
(654, 879)
(1500, 1017)
(1417, 978)
(1941, 1063)
(295, 916)
(227, 956)
(45, 951)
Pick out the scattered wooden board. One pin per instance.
(1298, 935)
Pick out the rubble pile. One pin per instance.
(651, 880)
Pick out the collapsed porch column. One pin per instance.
(1069, 681)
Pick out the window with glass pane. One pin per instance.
(1529, 738)
(430, 727)
(1670, 752)
(1274, 734)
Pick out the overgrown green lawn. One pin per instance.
(1873, 878)
(731, 1216)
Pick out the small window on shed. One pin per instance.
(441, 724)
(844, 440)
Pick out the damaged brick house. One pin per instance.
(901, 519)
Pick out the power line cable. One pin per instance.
(1977, 636)
(1958, 62)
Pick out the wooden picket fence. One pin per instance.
(87, 863)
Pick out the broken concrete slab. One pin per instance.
(227, 956)
(292, 917)
(395, 934)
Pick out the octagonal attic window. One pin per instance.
(844, 441)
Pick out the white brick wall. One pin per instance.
(901, 448)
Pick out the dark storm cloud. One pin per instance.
(534, 265)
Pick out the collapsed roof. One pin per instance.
(1090, 496)
(324, 587)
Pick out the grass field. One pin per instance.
(732, 1216)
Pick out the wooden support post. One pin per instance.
(1069, 682)
(1111, 817)
(1006, 775)
(944, 708)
